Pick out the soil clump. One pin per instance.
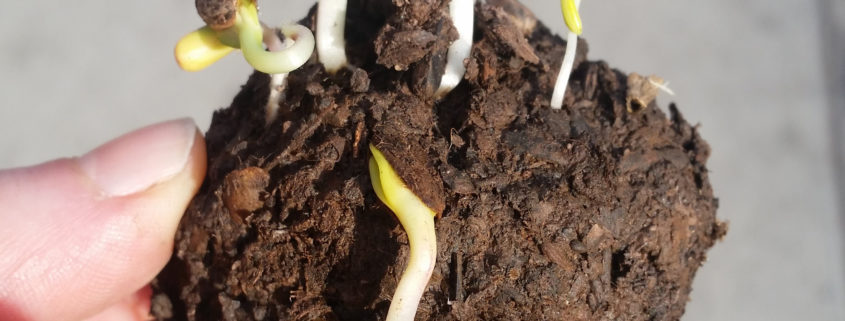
(598, 211)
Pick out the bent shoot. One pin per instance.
(418, 221)
(240, 29)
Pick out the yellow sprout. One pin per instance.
(418, 221)
(200, 49)
(206, 45)
(571, 16)
(276, 62)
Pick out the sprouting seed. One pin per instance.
(573, 22)
(418, 221)
(235, 24)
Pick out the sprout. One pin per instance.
(235, 24)
(573, 22)
(277, 81)
(461, 12)
(250, 34)
(331, 21)
(418, 221)
(199, 49)
(569, 9)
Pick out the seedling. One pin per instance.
(418, 221)
(569, 8)
(331, 46)
(461, 12)
(234, 24)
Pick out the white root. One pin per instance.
(331, 46)
(277, 81)
(423, 254)
(565, 67)
(277, 85)
(462, 14)
(662, 85)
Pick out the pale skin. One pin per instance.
(82, 237)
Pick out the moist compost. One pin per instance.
(599, 211)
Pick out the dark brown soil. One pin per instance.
(592, 212)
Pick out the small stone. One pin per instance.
(242, 191)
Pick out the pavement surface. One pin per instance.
(765, 79)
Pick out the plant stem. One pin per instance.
(331, 22)
(250, 34)
(423, 244)
(418, 221)
(565, 67)
(463, 16)
(277, 81)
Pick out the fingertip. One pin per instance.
(79, 238)
(165, 202)
(135, 307)
(155, 213)
(161, 209)
(142, 158)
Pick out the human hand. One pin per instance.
(80, 238)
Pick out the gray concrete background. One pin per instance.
(765, 79)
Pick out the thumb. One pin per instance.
(79, 235)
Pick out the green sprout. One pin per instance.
(234, 24)
(418, 221)
(569, 8)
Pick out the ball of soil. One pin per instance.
(597, 211)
